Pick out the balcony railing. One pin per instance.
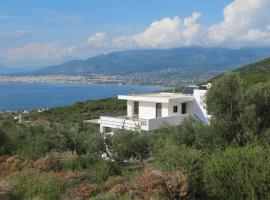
(141, 124)
(124, 123)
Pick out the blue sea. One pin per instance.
(21, 96)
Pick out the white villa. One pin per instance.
(152, 111)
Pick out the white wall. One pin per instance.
(199, 105)
(147, 110)
(130, 108)
(165, 110)
(157, 123)
(179, 104)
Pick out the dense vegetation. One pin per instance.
(82, 111)
(60, 157)
(258, 72)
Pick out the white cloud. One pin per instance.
(241, 19)
(163, 33)
(37, 53)
(245, 23)
(98, 40)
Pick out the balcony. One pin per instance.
(140, 124)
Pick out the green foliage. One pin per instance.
(170, 156)
(125, 145)
(240, 113)
(258, 72)
(238, 173)
(109, 196)
(224, 103)
(256, 102)
(33, 184)
(130, 175)
(102, 170)
(4, 143)
(82, 111)
(191, 133)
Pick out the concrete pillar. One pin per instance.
(102, 129)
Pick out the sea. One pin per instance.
(28, 96)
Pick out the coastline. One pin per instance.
(27, 96)
(70, 79)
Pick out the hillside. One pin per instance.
(256, 72)
(189, 60)
(253, 73)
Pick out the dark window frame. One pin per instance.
(175, 109)
(136, 108)
(184, 108)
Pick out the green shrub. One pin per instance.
(102, 170)
(171, 157)
(238, 173)
(31, 184)
(109, 196)
(125, 145)
(70, 164)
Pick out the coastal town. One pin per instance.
(149, 78)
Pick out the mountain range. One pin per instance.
(4, 69)
(186, 60)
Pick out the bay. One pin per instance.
(23, 96)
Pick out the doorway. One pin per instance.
(158, 110)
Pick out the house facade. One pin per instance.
(152, 111)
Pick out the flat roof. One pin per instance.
(160, 97)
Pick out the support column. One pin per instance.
(102, 129)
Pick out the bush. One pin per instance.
(109, 196)
(125, 145)
(238, 173)
(31, 184)
(170, 156)
(191, 133)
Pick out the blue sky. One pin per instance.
(38, 32)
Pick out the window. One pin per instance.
(175, 109)
(136, 108)
(158, 110)
(184, 108)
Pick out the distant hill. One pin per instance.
(187, 60)
(256, 72)
(4, 69)
(253, 73)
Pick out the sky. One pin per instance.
(36, 33)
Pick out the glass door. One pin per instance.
(136, 109)
(158, 110)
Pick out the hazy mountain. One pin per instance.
(4, 69)
(189, 59)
